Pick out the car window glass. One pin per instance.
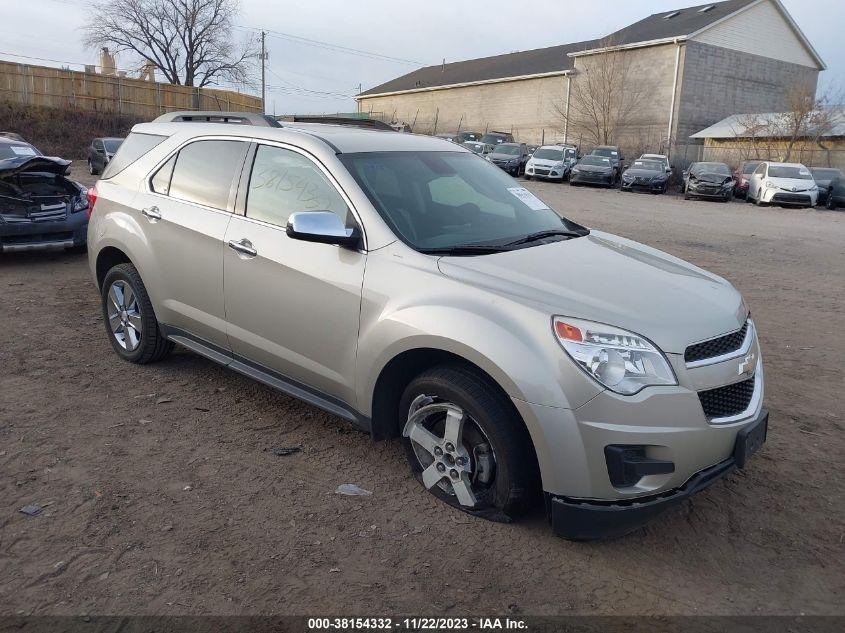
(761, 169)
(205, 170)
(98, 145)
(160, 182)
(452, 191)
(135, 146)
(284, 182)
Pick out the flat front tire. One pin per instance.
(466, 444)
(129, 318)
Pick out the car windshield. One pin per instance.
(601, 161)
(112, 144)
(549, 153)
(790, 171)
(711, 168)
(493, 139)
(442, 200)
(825, 174)
(511, 150)
(474, 147)
(14, 150)
(747, 168)
(650, 165)
(601, 151)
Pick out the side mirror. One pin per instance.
(324, 227)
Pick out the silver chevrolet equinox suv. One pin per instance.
(409, 286)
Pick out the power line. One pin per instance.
(333, 47)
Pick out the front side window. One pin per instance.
(205, 170)
(442, 200)
(284, 182)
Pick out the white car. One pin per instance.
(551, 162)
(782, 183)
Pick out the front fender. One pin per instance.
(417, 307)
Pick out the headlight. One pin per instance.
(558, 165)
(576, 170)
(620, 360)
(81, 202)
(814, 188)
(770, 184)
(488, 158)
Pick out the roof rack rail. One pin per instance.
(237, 118)
(372, 124)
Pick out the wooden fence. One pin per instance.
(71, 89)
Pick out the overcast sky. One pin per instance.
(307, 78)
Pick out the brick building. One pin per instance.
(699, 64)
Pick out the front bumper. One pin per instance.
(580, 519)
(587, 178)
(508, 167)
(28, 236)
(705, 190)
(776, 195)
(546, 173)
(647, 186)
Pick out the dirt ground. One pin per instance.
(161, 494)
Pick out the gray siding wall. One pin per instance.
(718, 82)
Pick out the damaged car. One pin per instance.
(709, 180)
(39, 206)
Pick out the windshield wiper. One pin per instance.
(464, 249)
(539, 235)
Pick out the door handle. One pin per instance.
(151, 213)
(243, 247)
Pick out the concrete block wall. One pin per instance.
(718, 82)
(526, 107)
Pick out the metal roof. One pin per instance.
(766, 124)
(557, 59)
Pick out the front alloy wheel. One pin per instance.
(466, 443)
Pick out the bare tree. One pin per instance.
(808, 117)
(189, 41)
(604, 96)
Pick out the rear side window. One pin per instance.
(205, 170)
(135, 146)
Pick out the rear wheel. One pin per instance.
(831, 203)
(466, 444)
(129, 318)
(91, 169)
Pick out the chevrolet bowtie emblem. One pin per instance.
(747, 365)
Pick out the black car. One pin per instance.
(613, 153)
(646, 175)
(593, 170)
(39, 206)
(100, 153)
(835, 193)
(709, 180)
(497, 138)
(823, 177)
(511, 157)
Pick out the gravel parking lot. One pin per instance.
(161, 493)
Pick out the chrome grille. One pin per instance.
(716, 346)
(724, 402)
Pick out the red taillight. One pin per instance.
(92, 198)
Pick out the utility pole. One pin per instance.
(263, 85)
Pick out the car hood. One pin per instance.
(496, 156)
(644, 173)
(789, 183)
(37, 164)
(612, 280)
(711, 177)
(545, 162)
